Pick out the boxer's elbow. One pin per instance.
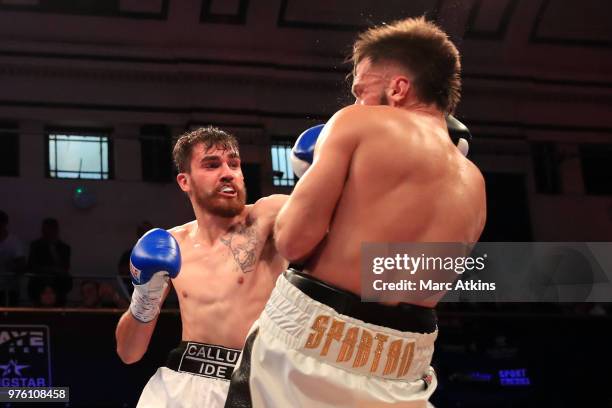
(296, 248)
(129, 346)
(290, 251)
(128, 356)
(296, 236)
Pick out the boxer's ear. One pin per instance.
(399, 89)
(183, 181)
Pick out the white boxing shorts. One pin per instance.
(318, 346)
(195, 375)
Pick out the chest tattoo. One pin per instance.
(242, 242)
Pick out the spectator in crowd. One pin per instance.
(49, 262)
(110, 298)
(100, 295)
(12, 262)
(89, 294)
(47, 297)
(123, 267)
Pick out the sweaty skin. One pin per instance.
(380, 174)
(222, 287)
(229, 262)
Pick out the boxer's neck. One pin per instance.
(421, 108)
(210, 227)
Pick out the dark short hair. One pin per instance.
(424, 50)
(210, 136)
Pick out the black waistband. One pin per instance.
(403, 317)
(207, 360)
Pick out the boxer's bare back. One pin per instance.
(406, 182)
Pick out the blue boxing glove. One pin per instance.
(156, 257)
(303, 150)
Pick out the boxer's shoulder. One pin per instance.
(266, 208)
(359, 120)
(180, 232)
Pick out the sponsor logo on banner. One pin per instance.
(25, 359)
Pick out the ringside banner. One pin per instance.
(487, 272)
(25, 359)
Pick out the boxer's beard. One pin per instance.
(222, 206)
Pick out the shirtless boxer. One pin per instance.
(384, 170)
(229, 266)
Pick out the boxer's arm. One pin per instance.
(155, 259)
(304, 219)
(133, 336)
(267, 208)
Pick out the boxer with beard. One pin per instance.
(381, 171)
(228, 265)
